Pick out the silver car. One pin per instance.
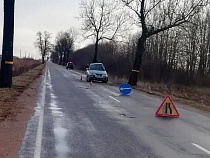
(96, 71)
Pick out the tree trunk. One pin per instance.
(96, 51)
(42, 59)
(64, 58)
(60, 59)
(7, 48)
(138, 61)
(67, 58)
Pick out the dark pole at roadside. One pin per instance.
(7, 48)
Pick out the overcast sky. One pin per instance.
(32, 16)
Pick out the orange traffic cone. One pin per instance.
(81, 78)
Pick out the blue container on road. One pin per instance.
(125, 88)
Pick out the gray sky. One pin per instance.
(32, 16)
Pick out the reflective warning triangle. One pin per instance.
(167, 108)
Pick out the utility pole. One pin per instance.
(7, 48)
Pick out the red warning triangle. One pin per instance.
(167, 108)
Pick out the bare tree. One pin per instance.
(102, 19)
(64, 45)
(155, 16)
(43, 43)
(203, 43)
(58, 47)
(208, 41)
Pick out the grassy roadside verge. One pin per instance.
(20, 83)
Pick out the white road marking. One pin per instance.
(201, 148)
(38, 145)
(114, 99)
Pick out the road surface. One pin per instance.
(74, 119)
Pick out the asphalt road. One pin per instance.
(76, 120)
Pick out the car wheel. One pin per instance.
(105, 81)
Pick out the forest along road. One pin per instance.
(77, 120)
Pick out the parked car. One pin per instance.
(70, 65)
(96, 71)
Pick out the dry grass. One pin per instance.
(20, 83)
(22, 65)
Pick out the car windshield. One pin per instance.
(98, 67)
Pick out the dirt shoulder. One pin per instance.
(16, 107)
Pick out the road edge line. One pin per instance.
(38, 144)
